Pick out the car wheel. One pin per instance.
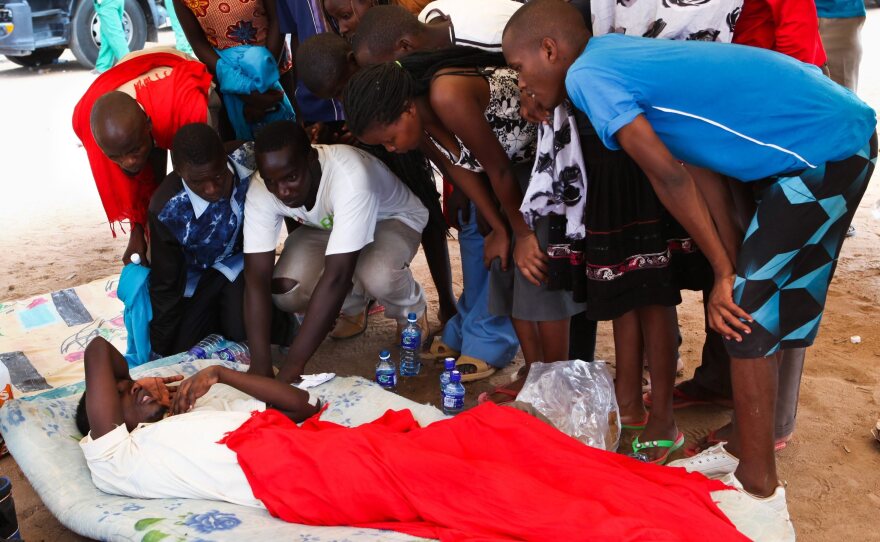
(40, 57)
(85, 31)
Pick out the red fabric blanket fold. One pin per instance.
(491, 473)
(170, 102)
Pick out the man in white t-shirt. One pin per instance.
(359, 227)
(131, 450)
(387, 33)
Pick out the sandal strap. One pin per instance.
(638, 446)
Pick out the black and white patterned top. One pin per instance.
(516, 135)
(705, 20)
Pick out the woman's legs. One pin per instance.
(658, 326)
(628, 347)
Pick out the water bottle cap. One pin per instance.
(412, 317)
(384, 354)
(455, 376)
(136, 258)
(449, 364)
(198, 352)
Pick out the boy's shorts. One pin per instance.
(790, 251)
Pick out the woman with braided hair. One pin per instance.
(460, 106)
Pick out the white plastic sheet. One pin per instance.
(578, 397)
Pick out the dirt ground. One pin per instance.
(53, 235)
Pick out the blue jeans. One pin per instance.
(474, 331)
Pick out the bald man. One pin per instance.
(126, 121)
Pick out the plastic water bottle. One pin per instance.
(235, 352)
(410, 345)
(453, 396)
(386, 373)
(205, 348)
(448, 367)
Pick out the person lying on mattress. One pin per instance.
(131, 447)
(224, 445)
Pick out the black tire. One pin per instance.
(83, 42)
(40, 57)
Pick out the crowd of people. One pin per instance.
(597, 158)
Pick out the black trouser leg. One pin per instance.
(582, 338)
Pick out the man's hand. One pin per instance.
(137, 244)
(531, 111)
(194, 387)
(457, 202)
(258, 104)
(531, 260)
(157, 389)
(725, 316)
(496, 245)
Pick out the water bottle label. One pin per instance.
(411, 339)
(453, 402)
(387, 380)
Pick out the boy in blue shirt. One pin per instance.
(807, 145)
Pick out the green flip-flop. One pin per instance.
(670, 445)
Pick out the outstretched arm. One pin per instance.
(679, 194)
(292, 401)
(473, 185)
(457, 102)
(322, 311)
(258, 309)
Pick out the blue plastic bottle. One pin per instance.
(410, 346)
(235, 352)
(386, 373)
(448, 367)
(453, 398)
(205, 348)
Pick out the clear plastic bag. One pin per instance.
(578, 397)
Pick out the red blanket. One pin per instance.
(491, 473)
(170, 102)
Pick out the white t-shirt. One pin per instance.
(177, 457)
(357, 190)
(474, 23)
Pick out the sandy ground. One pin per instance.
(53, 235)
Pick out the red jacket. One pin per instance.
(790, 27)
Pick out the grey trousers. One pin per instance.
(844, 49)
(382, 271)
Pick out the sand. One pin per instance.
(53, 235)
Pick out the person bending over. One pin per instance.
(809, 160)
(358, 230)
(196, 219)
(126, 121)
(132, 449)
(387, 33)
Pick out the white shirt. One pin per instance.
(177, 457)
(474, 23)
(357, 190)
(711, 20)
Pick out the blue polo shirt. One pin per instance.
(746, 112)
(840, 9)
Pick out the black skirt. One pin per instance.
(636, 254)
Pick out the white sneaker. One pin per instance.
(763, 519)
(713, 462)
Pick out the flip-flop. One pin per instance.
(712, 439)
(670, 445)
(484, 397)
(481, 369)
(636, 426)
(440, 350)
